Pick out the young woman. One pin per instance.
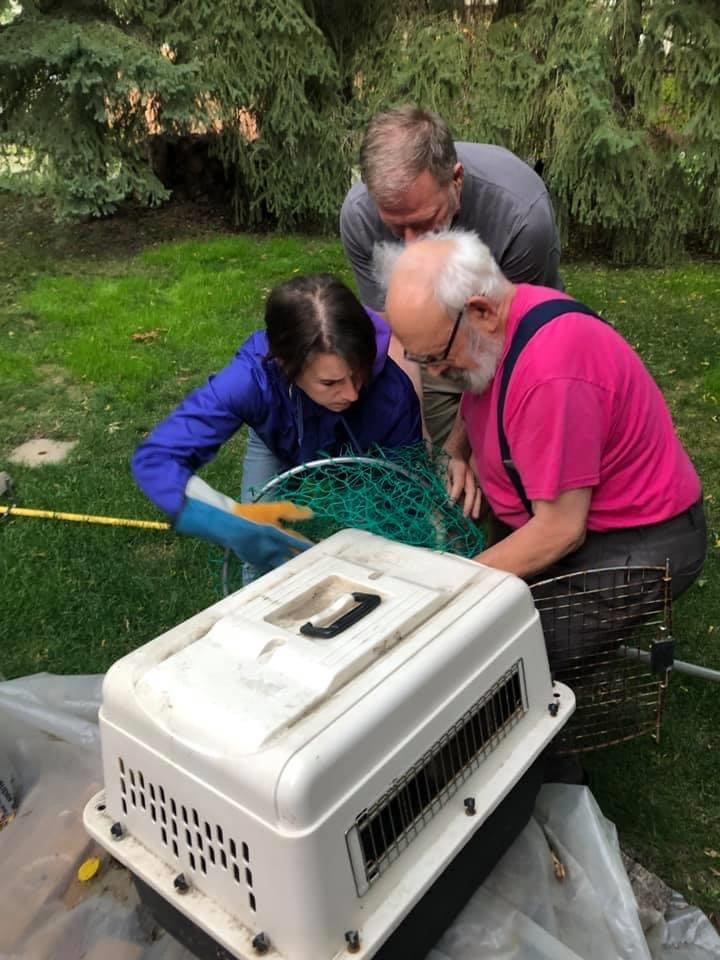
(316, 381)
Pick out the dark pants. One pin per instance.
(682, 541)
(585, 615)
(609, 596)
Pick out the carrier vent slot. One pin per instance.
(381, 832)
(202, 846)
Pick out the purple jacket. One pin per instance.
(252, 390)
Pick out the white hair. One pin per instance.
(384, 260)
(468, 270)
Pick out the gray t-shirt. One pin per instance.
(503, 200)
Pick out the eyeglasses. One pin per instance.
(425, 359)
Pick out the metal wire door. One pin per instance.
(608, 636)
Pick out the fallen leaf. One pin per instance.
(88, 870)
(713, 854)
(147, 336)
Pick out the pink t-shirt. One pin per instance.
(581, 410)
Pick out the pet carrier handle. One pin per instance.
(366, 602)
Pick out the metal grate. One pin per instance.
(607, 634)
(381, 832)
(198, 844)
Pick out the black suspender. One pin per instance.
(529, 325)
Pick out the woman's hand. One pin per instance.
(462, 486)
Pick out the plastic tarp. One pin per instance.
(561, 891)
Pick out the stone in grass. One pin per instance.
(37, 452)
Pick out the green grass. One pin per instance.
(180, 310)
(97, 349)
(104, 327)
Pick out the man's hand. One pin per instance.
(461, 476)
(462, 486)
(556, 528)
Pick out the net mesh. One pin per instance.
(398, 494)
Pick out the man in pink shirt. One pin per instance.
(567, 433)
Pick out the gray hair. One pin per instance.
(469, 269)
(402, 143)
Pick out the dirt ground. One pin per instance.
(127, 232)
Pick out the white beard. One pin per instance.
(485, 352)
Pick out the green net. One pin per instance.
(399, 494)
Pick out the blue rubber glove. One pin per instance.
(214, 517)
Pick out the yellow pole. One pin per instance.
(84, 518)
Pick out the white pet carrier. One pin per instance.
(295, 770)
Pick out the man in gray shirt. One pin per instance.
(416, 180)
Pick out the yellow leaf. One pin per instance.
(88, 869)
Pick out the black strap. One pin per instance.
(529, 325)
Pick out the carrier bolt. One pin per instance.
(553, 708)
(181, 884)
(116, 830)
(470, 809)
(261, 942)
(352, 938)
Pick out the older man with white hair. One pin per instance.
(568, 434)
(415, 180)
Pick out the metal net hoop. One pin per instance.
(398, 494)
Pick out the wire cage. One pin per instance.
(608, 637)
(398, 494)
